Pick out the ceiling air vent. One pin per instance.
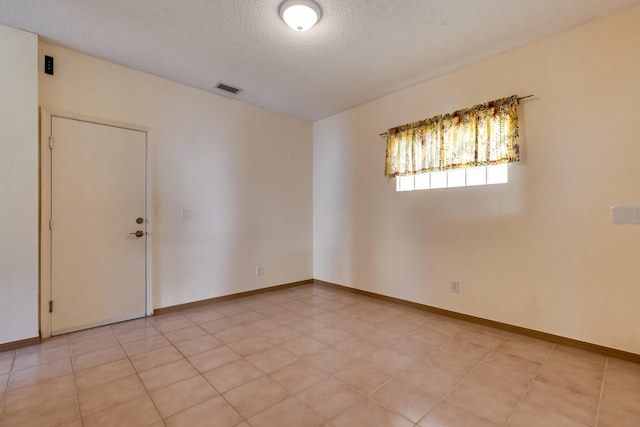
(228, 88)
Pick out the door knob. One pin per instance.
(138, 233)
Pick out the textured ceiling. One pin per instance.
(360, 50)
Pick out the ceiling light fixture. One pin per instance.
(300, 14)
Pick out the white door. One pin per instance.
(98, 203)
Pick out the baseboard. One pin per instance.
(199, 303)
(19, 344)
(595, 348)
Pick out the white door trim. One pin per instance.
(45, 210)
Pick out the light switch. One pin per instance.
(625, 214)
(185, 213)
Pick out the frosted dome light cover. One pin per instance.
(300, 14)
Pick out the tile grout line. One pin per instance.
(466, 376)
(604, 377)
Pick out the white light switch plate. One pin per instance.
(625, 214)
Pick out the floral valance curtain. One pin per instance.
(485, 134)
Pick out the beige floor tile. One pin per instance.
(399, 328)
(622, 378)
(213, 412)
(330, 397)
(362, 376)
(535, 416)
(31, 359)
(370, 414)
(512, 363)
(378, 337)
(263, 325)
(107, 395)
(614, 363)
(513, 383)
(571, 378)
(165, 375)
(235, 334)
(255, 396)
(218, 325)
(39, 394)
(451, 361)
(430, 337)
(198, 345)
(407, 400)
(6, 361)
(272, 359)
(622, 397)
(92, 344)
(298, 376)
(304, 345)
(232, 375)
(288, 413)
(329, 335)
(491, 331)
(39, 373)
(484, 401)
(531, 340)
(158, 319)
(75, 423)
(576, 406)
(119, 328)
(91, 334)
(247, 317)
(182, 395)
(204, 316)
(50, 413)
(417, 349)
(173, 325)
(185, 334)
(98, 357)
(154, 358)
(388, 361)
(136, 412)
(582, 354)
(612, 415)
(431, 379)
(104, 374)
(525, 350)
(355, 326)
(250, 345)
(356, 347)
(280, 335)
(447, 414)
(447, 326)
(211, 359)
(4, 381)
(467, 348)
(143, 345)
(146, 330)
(329, 360)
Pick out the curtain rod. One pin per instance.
(519, 98)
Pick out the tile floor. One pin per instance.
(311, 356)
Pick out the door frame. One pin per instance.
(46, 116)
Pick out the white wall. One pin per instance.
(18, 185)
(244, 172)
(539, 252)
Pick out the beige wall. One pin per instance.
(18, 185)
(244, 172)
(539, 252)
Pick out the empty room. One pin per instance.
(300, 213)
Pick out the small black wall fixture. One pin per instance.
(48, 64)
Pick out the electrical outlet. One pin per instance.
(455, 286)
(259, 271)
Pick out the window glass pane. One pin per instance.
(439, 179)
(404, 183)
(422, 181)
(456, 178)
(477, 176)
(497, 174)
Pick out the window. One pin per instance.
(465, 148)
(468, 177)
